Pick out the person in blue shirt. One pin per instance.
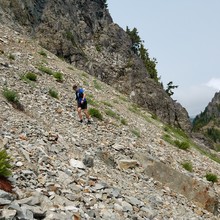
(81, 104)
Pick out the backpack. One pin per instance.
(79, 94)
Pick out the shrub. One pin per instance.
(58, 76)
(95, 113)
(31, 76)
(5, 167)
(10, 95)
(111, 113)
(98, 48)
(11, 56)
(211, 177)
(182, 145)
(53, 93)
(43, 53)
(46, 70)
(107, 104)
(124, 122)
(187, 166)
(167, 138)
(136, 132)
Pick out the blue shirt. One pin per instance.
(79, 95)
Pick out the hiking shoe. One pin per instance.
(89, 122)
(81, 121)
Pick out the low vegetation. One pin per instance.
(97, 85)
(172, 134)
(42, 53)
(211, 177)
(58, 76)
(182, 144)
(136, 132)
(31, 76)
(112, 114)
(53, 93)
(10, 95)
(95, 113)
(187, 166)
(124, 121)
(46, 70)
(11, 56)
(5, 166)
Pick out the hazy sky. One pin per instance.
(184, 37)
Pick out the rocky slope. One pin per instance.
(82, 32)
(118, 168)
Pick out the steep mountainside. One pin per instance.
(208, 122)
(82, 32)
(119, 167)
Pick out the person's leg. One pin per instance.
(79, 113)
(84, 108)
(86, 113)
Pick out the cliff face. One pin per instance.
(83, 33)
(208, 122)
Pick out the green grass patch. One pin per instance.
(136, 132)
(97, 85)
(58, 76)
(31, 76)
(182, 144)
(91, 101)
(42, 53)
(211, 177)
(5, 166)
(107, 104)
(123, 98)
(134, 108)
(176, 132)
(95, 113)
(85, 75)
(11, 57)
(10, 95)
(187, 166)
(123, 121)
(112, 114)
(53, 93)
(167, 138)
(46, 70)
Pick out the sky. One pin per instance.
(184, 37)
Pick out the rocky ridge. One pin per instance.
(66, 170)
(208, 123)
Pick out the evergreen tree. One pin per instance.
(135, 39)
(170, 87)
(142, 52)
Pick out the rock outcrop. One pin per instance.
(83, 33)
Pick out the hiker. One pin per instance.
(81, 104)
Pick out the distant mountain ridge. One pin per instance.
(82, 32)
(208, 122)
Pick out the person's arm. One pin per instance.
(83, 98)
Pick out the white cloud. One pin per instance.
(214, 83)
